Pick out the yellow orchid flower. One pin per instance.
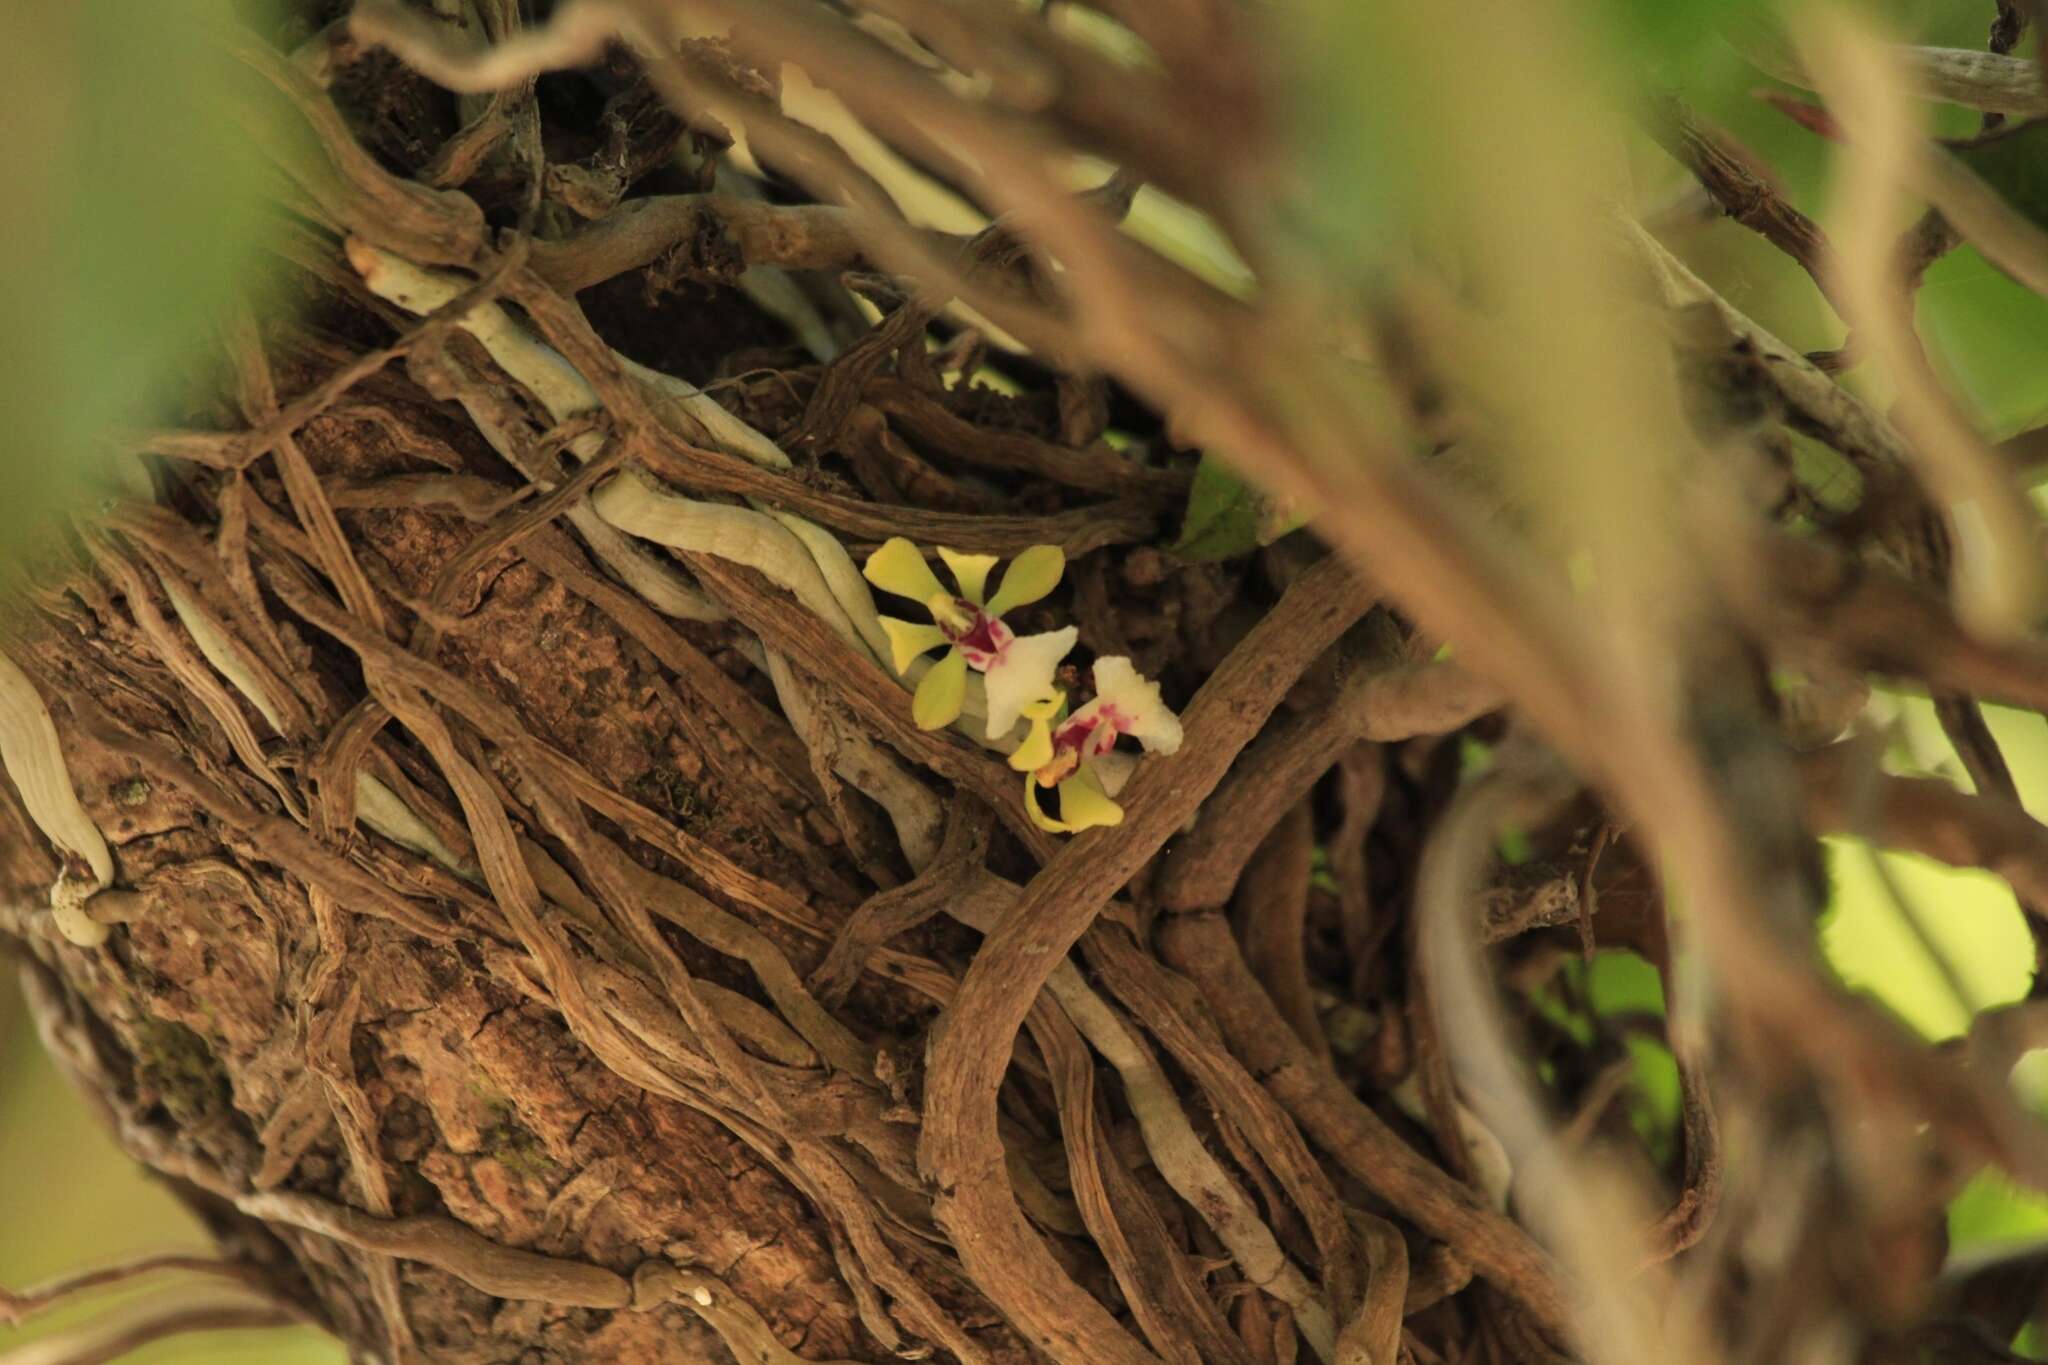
(969, 622)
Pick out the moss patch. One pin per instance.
(175, 1067)
(514, 1146)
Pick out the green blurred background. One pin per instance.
(131, 215)
(71, 1199)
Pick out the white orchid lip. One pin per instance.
(1021, 673)
(1126, 703)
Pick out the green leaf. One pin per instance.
(1227, 517)
(132, 215)
(1622, 982)
(1993, 1213)
(2013, 161)
(1223, 515)
(1990, 337)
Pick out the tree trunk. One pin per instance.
(256, 1025)
(454, 1115)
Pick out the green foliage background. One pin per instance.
(130, 216)
(131, 213)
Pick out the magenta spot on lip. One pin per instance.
(1092, 733)
(981, 644)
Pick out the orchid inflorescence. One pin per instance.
(1074, 753)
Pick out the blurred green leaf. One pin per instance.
(131, 214)
(2014, 161)
(1344, 118)
(1622, 982)
(1658, 38)
(1993, 1212)
(1223, 512)
(1654, 1100)
(1990, 337)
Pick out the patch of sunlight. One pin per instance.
(1995, 1216)
(1967, 916)
(1921, 748)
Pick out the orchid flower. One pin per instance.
(1075, 755)
(1018, 669)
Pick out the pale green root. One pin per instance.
(34, 760)
(382, 810)
(663, 588)
(848, 587)
(776, 294)
(684, 406)
(215, 649)
(632, 502)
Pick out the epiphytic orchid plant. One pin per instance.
(1018, 669)
(1075, 754)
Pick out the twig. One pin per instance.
(1742, 187)
(1385, 704)
(1885, 623)
(1523, 788)
(1155, 1278)
(1272, 905)
(576, 37)
(1201, 946)
(284, 841)
(17, 1307)
(1962, 720)
(1815, 402)
(1999, 586)
(1987, 81)
(124, 1331)
(426, 224)
(1847, 793)
(644, 231)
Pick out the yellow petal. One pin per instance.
(1036, 750)
(908, 639)
(1084, 804)
(898, 567)
(970, 571)
(939, 696)
(1037, 812)
(1030, 576)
